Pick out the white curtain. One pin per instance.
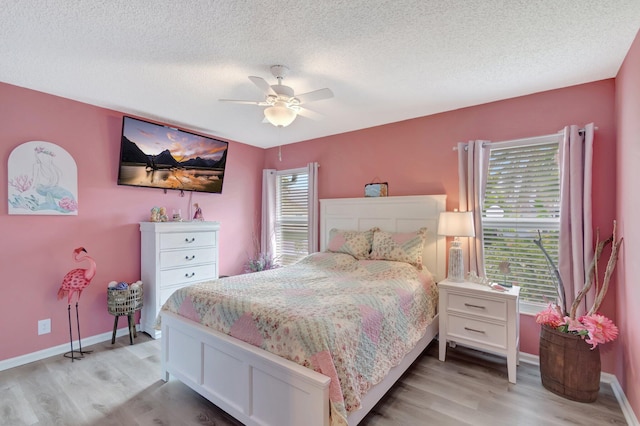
(268, 219)
(576, 232)
(312, 169)
(473, 165)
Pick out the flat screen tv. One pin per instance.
(157, 156)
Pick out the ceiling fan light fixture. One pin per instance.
(282, 104)
(279, 115)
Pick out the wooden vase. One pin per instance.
(568, 365)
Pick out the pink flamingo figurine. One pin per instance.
(75, 281)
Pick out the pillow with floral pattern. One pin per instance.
(355, 243)
(399, 246)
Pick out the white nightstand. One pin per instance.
(476, 316)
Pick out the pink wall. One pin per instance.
(628, 205)
(37, 249)
(416, 157)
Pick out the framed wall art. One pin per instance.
(376, 189)
(42, 180)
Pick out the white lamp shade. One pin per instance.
(456, 224)
(279, 115)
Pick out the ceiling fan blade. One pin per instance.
(307, 113)
(316, 95)
(263, 85)
(235, 101)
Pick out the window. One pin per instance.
(522, 199)
(292, 219)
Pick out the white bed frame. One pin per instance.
(260, 388)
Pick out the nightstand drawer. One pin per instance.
(477, 331)
(488, 308)
(177, 240)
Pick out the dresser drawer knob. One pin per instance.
(474, 330)
(469, 305)
(189, 275)
(189, 240)
(193, 256)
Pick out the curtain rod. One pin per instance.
(455, 148)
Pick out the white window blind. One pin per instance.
(292, 220)
(522, 198)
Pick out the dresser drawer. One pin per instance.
(186, 258)
(178, 240)
(165, 293)
(190, 274)
(488, 308)
(477, 331)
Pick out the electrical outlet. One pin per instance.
(44, 326)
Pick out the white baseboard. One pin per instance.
(629, 415)
(608, 378)
(529, 358)
(61, 349)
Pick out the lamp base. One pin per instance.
(456, 263)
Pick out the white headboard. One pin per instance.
(391, 214)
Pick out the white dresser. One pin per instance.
(476, 316)
(174, 255)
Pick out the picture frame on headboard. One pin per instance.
(376, 189)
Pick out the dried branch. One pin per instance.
(615, 249)
(552, 266)
(592, 272)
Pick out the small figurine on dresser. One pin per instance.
(163, 215)
(155, 214)
(198, 214)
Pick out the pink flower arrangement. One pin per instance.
(550, 316)
(594, 328)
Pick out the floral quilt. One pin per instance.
(351, 320)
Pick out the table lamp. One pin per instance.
(456, 224)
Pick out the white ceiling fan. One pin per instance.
(283, 106)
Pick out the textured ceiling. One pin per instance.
(385, 61)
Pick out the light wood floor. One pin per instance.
(120, 385)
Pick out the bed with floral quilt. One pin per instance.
(341, 321)
(351, 320)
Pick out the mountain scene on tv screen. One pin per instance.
(193, 163)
